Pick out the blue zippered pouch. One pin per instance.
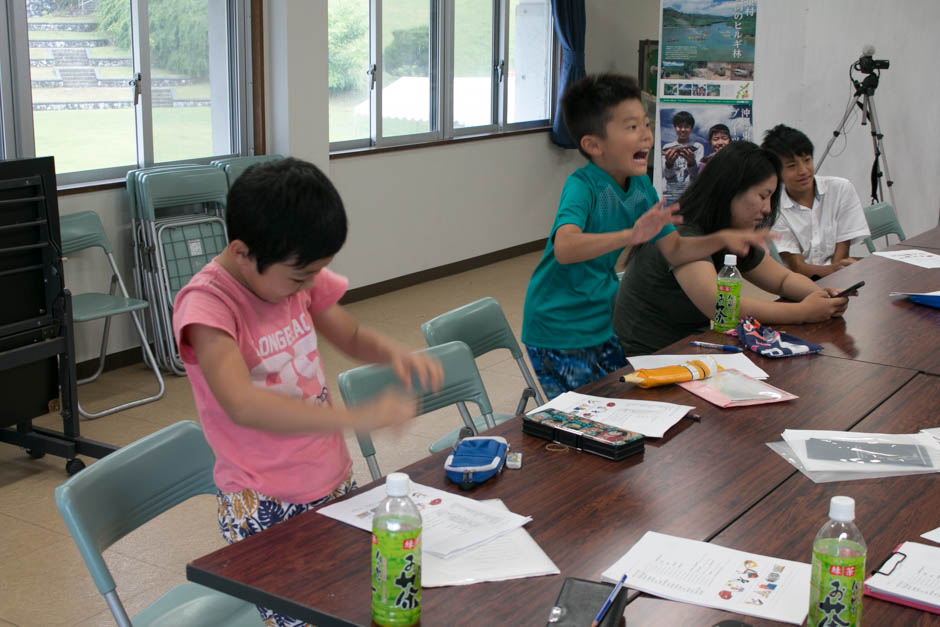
(475, 460)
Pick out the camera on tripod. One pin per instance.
(866, 64)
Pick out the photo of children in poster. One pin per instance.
(690, 133)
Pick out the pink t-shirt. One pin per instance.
(279, 346)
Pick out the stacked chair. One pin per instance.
(177, 218)
(234, 166)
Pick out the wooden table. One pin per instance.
(586, 510)
(888, 512)
(927, 239)
(878, 328)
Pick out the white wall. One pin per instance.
(804, 49)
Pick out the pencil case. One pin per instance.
(475, 460)
(583, 434)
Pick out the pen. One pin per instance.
(610, 599)
(721, 347)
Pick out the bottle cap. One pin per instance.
(731, 260)
(842, 508)
(397, 484)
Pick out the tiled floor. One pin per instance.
(44, 582)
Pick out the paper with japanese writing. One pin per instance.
(914, 576)
(650, 418)
(913, 256)
(450, 523)
(709, 575)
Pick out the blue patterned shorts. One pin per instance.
(245, 513)
(561, 370)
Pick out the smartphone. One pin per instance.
(848, 291)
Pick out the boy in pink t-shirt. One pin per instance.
(247, 326)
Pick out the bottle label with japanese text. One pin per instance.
(396, 577)
(836, 585)
(727, 305)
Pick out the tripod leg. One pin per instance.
(877, 140)
(853, 102)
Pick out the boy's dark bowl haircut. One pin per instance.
(787, 142)
(286, 211)
(588, 103)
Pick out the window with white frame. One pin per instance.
(413, 71)
(105, 86)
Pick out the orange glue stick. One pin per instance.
(692, 370)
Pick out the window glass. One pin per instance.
(189, 74)
(529, 66)
(349, 87)
(407, 103)
(473, 63)
(80, 65)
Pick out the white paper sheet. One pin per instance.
(913, 256)
(933, 535)
(511, 556)
(450, 523)
(915, 578)
(651, 418)
(714, 576)
(738, 361)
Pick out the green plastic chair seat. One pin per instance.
(197, 606)
(449, 440)
(131, 486)
(774, 253)
(462, 384)
(236, 166)
(82, 230)
(882, 221)
(94, 305)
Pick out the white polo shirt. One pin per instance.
(836, 216)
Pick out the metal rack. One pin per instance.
(37, 345)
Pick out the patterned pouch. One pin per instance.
(769, 343)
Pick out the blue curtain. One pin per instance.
(570, 26)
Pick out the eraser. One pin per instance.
(514, 460)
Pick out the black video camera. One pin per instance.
(867, 65)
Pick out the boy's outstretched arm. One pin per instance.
(572, 245)
(248, 405)
(679, 250)
(368, 345)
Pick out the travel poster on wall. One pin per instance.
(708, 39)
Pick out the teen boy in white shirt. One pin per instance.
(820, 216)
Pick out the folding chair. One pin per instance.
(882, 221)
(178, 215)
(81, 231)
(129, 487)
(462, 384)
(774, 253)
(235, 166)
(483, 327)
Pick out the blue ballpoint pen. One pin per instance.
(610, 599)
(721, 347)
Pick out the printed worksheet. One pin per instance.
(650, 418)
(715, 576)
(911, 576)
(913, 256)
(450, 523)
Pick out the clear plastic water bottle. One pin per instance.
(396, 556)
(728, 302)
(838, 570)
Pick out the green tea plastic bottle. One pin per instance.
(728, 302)
(396, 556)
(838, 570)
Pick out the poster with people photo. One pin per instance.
(691, 133)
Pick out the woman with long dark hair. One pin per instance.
(658, 304)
